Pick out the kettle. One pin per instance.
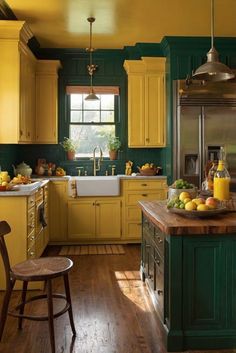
(23, 169)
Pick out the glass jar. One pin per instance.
(221, 182)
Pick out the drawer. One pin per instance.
(159, 239)
(31, 241)
(144, 184)
(132, 197)
(31, 221)
(39, 195)
(31, 201)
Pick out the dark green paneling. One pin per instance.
(5, 11)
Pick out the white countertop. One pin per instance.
(23, 190)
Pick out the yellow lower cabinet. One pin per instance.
(57, 203)
(92, 219)
(133, 191)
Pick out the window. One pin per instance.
(91, 121)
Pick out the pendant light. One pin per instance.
(91, 67)
(213, 70)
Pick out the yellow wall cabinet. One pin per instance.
(58, 196)
(92, 219)
(146, 102)
(46, 101)
(17, 84)
(132, 192)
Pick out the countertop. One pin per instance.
(23, 191)
(174, 224)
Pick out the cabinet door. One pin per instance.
(108, 219)
(136, 109)
(204, 284)
(155, 110)
(46, 101)
(27, 96)
(81, 219)
(58, 210)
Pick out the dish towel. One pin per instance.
(72, 189)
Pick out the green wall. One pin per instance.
(183, 54)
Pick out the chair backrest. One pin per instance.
(5, 229)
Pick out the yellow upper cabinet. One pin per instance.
(46, 101)
(146, 102)
(17, 83)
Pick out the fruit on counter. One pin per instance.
(21, 179)
(60, 171)
(212, 202)
(184, 201)
(148, 166)
(182, 184)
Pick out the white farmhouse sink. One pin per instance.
(98, 185)
(28, 187)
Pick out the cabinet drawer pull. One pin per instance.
(32, 237)
(159, 291)
(97, 204)
(145, 195)
(143, 184)
(94, 204)
(159, 240)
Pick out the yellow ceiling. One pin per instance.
(63, 23)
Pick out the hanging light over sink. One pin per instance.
(213, 70)
(91, 67)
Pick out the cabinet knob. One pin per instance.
(143, 184)
(145, 195)
(147, 139)
(159, 239)
(159, 291)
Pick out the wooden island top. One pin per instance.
(174, 224)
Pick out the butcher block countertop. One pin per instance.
(174, 224)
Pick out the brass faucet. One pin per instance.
(97, 165)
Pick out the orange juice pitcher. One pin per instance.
(221, 182)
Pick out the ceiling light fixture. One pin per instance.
(91, 67)
(213, 70)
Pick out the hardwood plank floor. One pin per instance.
(112, 311)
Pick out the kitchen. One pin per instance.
(179, 64)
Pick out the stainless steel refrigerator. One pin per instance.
(204, 121)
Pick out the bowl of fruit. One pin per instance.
(149, 169)
(179, 186)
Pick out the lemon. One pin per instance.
(187, 200)
(198, 201)
(202, 207)
(184, 195)
(190, 206)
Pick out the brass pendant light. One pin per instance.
(213, 70)
(91, 67)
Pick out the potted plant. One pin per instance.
(113, 145)
(70, 147)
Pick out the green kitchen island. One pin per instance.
(189, 265)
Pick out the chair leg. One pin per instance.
(68, 298)
(5, 306)
(23, 297)
(50, 315)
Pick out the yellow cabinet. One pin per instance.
(146, 102)
(46, 101)
(134, 190)
(94, 219)
(58, 194)
(17, 84)
(27, 238)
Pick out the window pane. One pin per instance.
(76, 101)
(91, 105)
(89, 137)
(107, 101)
(76, 116)
(91, 116)
(107, 116)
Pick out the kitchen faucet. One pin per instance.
(97, 165)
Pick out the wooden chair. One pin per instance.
(42, 269)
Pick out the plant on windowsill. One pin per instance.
(113, 145)
(70, 147)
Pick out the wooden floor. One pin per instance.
(112, 311)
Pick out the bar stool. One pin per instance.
(41, 269)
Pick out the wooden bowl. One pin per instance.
(148, 171)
